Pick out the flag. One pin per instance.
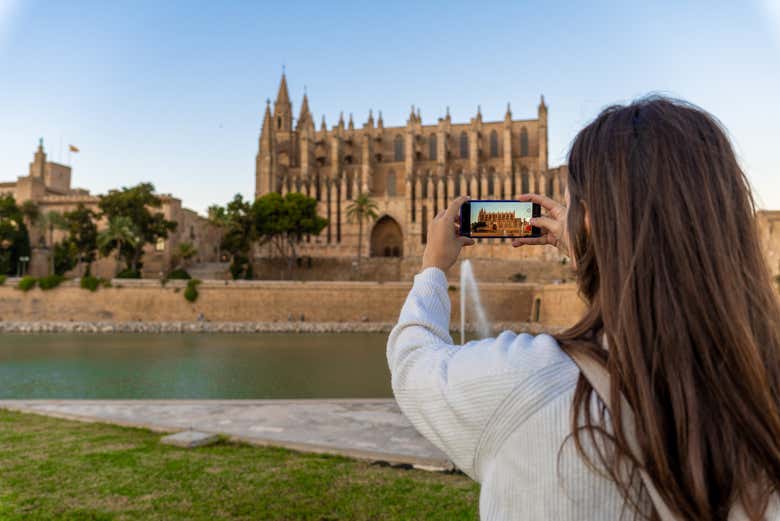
(74, 148)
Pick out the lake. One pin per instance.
(204, 366)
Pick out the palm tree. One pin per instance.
(184, 252)
(219, 218)
(120, 231)
(362, 208)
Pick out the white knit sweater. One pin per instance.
(500, 408)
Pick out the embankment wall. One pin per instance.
(271, 301)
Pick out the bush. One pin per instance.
(27, 283)
(93, 283)
(128, 273)
(50, 281)
(3, 278)
(191, 293)
(518, 277)
(179, 274)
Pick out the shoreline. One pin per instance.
(207, 327)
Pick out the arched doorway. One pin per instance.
(386, 238)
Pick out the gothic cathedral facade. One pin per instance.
(411, 172)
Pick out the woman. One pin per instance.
(659, 223)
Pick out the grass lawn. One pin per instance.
(66, 470)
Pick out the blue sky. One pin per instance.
(173, 92)
(523, 210)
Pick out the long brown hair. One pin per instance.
(670, 265)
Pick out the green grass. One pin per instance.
(53, 469)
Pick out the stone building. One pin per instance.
(48, 185)
(768, 222)
(412, 172)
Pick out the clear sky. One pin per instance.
(522, 210)
(173, 92)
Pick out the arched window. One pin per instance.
(550, 186)
(523, 142)
(491, 183)
(456, 184)
(424, 186)
(464, 145)
(494, 144)
(525, 185)
(398, 146)
(391, 184)
(432, 147)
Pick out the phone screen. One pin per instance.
(499, 219)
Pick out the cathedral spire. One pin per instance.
(351, 123)
(283, 107)
(341, 120)
(283, 95)
(323, 126)
(380, 123)
(305, 115)
(370, 118)
(542, 108)
(508, 115)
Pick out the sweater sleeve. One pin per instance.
(448, 392)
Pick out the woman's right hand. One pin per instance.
(553, 224)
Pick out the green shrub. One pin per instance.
(89, 282)
(179, 274)
(27, 283)
(518, 277)
(50, 281)
(191, 293)
(3, 278)
(128, 273)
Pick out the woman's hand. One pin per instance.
(553, 224)
(444, 239)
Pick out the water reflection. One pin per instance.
(194, 366)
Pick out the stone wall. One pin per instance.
(271, 301)
(386, 269)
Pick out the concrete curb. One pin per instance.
(418, 462)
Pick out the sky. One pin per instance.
(173, 92)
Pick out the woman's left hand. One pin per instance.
(444, 239)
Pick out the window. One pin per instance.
(524, 182)
(550, 187)
(391, 186)
(432, 147)
(523, 142)
(491, 187)
(456, 184)
(160, 245)
(279, 122)
(398, 146)
(494, 144)
(464, 145)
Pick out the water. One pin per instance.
(208, 366)
(470, 292)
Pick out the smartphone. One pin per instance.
(486, 219)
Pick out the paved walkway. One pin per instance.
(365, 429)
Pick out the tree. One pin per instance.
(135, 204)
(14, 238)
(118, 234)
(184, 252)
(239, 233)
(283, 221)
(217, 216)
(362, 208)
(82, 234)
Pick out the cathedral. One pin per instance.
(411, 172)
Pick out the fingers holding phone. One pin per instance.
(553, 225)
